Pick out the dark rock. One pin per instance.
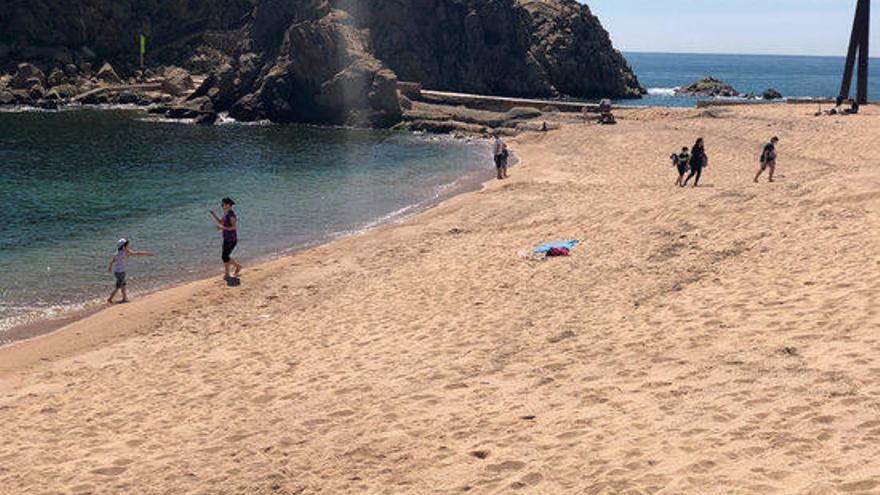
(108, 75)
(96, 99)
(708, 87)
(56, 77)
(85, 68)
(48, 104)
(71, 70)
(6, 97)
(771, 94)
(27, 76)
(405, 103)
(502, 47)
(95, 30)
(22, 97)
(190, 109)
(65, 90)
(319, 70)
(87, 54)
(207, 118)
(176, 81)
(127, 98)
(36, 92)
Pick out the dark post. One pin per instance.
(858, 44)
(862, 86)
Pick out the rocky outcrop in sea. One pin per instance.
(708, 87)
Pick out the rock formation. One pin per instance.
(539, 48)
(771, 94)
(709, 86)
(315, 61)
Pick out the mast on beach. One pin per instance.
(858, 43)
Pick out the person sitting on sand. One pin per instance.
(768, 159)
(229, 226)
(499, 151)
(699, 160)
(680, 161)
(119, 265)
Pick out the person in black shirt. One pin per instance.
(768, 159)
(699, 160)
(681, 163)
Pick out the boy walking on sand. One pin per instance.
(681, 163)
(768, 159)
(119, 265)
(229, 226)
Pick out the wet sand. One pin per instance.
(709, 340)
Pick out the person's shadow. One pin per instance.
(233, 282)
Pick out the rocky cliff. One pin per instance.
(87, 31)
(503, 47)
(331, 61)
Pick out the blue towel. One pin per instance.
(567, 244)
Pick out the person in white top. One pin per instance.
(499, 151)
(119, 264)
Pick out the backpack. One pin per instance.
(558, 251)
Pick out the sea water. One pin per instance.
(793, 76)
(74, 182)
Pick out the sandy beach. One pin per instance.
(709, 340)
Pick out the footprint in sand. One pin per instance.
(506, 466)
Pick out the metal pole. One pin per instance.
(862, 87)
(851, 56)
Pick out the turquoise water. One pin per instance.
(76, 181)
(802, 76)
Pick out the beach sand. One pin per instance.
(710, 340)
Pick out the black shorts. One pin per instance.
(120, 279)
(228, 246)
(682, 168)
(500, 161)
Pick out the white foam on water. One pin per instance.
(662, 91)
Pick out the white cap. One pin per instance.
(121, 242)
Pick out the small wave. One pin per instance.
(662, 91)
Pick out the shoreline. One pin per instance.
(692, 343)
(47, 327)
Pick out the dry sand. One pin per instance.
(710, 340)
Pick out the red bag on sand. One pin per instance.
(558, 251)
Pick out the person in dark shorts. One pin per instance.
(119, 266)
(500, 153)
(768, 159)
(698, 161)
(680, 161)
(229, 227)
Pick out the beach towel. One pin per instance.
(547, 247)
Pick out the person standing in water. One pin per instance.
(699, 160)
(499, 150)
(229, 227)
(119, 266)
(768, 159)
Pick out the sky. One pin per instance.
(784, 27)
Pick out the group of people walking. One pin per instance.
(695, 160)
(227, 225)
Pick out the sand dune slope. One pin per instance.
(711, 340)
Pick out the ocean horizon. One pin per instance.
(800, 76)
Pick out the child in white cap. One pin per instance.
(118, 265)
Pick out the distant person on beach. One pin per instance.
(699, 160)
(119, 265)
(499, 151)
(680, 161)
(768, 159)
(229, 226)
